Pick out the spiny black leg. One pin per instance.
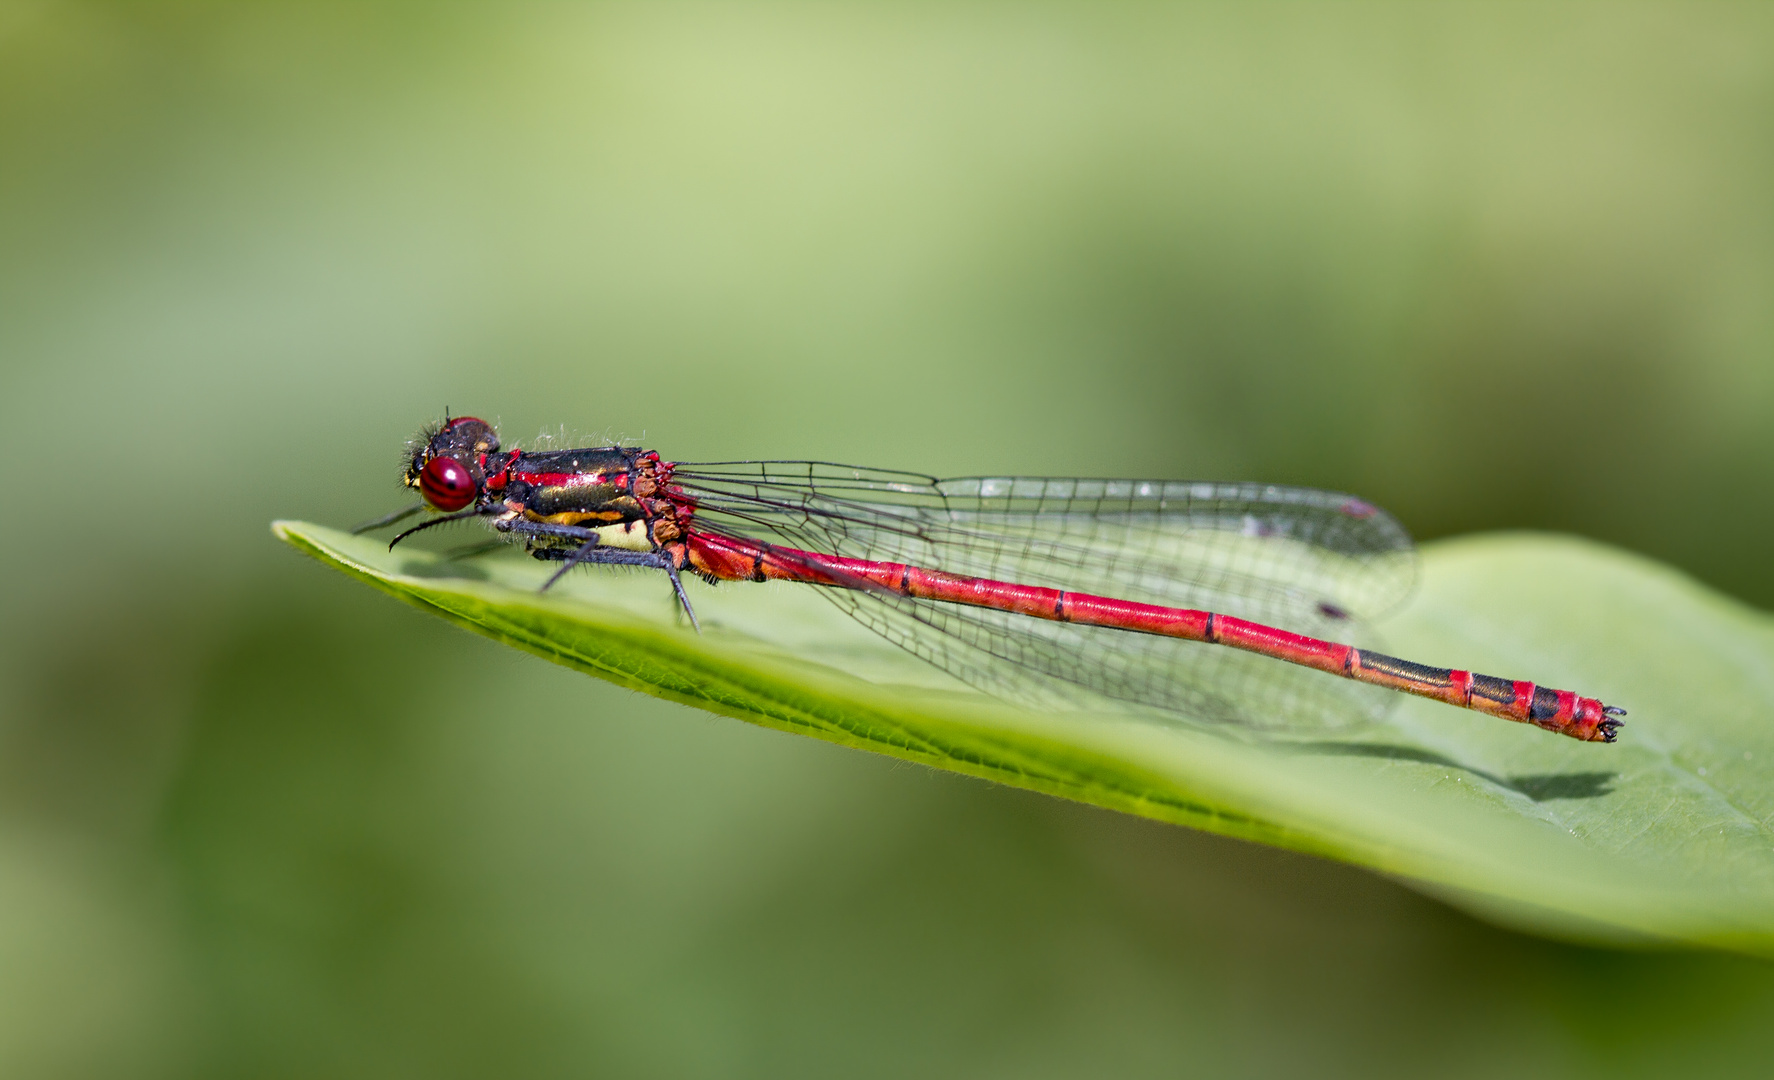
(542, 528)
(388, 519)
(671, 571)
(607, 556)
(446, 519)
(573, 560)
(592, 551)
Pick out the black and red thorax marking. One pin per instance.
(592, 488)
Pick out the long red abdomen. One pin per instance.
(1561, 711)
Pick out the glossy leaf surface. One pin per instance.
(1666, 836)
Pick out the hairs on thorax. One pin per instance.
(563, 437)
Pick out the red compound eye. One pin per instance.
(446, 483)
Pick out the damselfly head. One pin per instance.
(445, 462)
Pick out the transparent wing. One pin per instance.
(1314, 562)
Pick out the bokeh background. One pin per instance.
(1493, 266)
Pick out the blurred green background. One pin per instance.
(1490, 266)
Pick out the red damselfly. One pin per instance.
(1016, 585)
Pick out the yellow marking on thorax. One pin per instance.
(574, 517)
(629, 535)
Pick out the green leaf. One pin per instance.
(1666, 836)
